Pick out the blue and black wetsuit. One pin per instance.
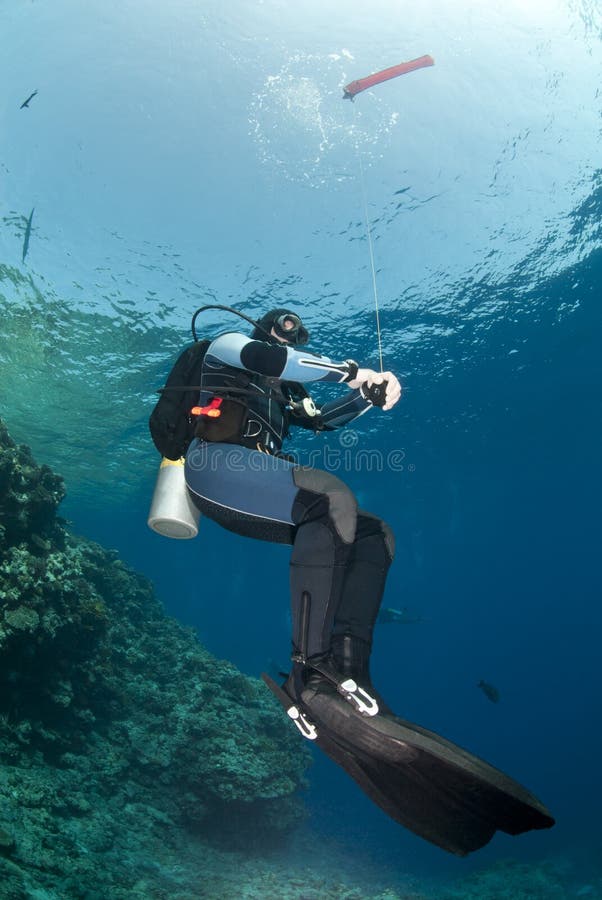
(340, 555)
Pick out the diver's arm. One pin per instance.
(277, 361)
(335, 414)
(343, 410)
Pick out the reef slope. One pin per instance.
(121, 737)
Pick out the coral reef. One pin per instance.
(116, 726)
(552, 879)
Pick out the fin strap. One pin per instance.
(357, 696)
(305, 725)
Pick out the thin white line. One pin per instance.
(243, 511)
(371, 252)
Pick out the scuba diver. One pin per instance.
(252, 391)
(340, 555)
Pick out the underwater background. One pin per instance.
(189, 153)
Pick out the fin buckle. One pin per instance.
(365, 703)
(307, 728)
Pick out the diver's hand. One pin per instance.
(369, 377)
(393, 392)
(362, 376)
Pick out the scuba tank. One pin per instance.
(172, 512)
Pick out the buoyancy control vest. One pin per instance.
(216, 402)
(254, 407)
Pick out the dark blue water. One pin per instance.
(497, 519)
(208, 157)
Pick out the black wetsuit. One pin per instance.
(340, 555)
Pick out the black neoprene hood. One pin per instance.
(268, 321)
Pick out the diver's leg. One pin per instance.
(371, 556)
(272, 499)
(421, 780)
(325, 515)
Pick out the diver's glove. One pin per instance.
(376, 394)
(367, 379)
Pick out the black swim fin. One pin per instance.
(431, 786)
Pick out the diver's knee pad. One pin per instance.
(371, 530)
(342, 505)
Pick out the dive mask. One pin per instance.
(290, 328)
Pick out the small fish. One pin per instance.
(27, 235)
(25, 104)
(403, 616)
(490, 691)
